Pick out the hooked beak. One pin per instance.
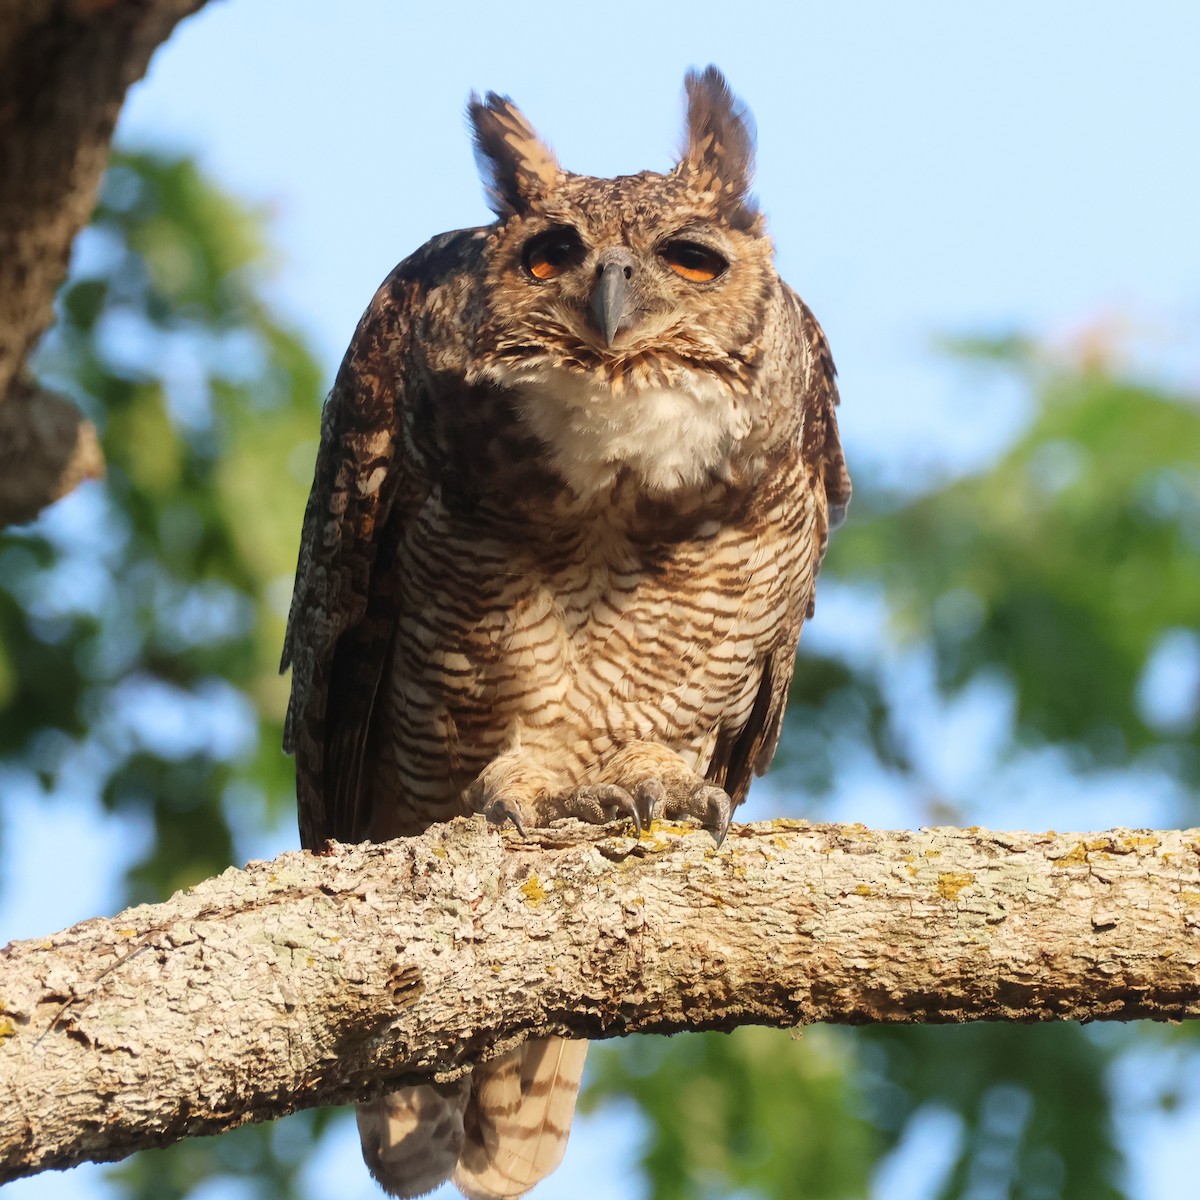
(611, 301)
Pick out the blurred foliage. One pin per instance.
(766, 1113)
(1062, 568)
(140, 631)
(1068, 571)
(255, 1162)
(140, 626)
(1034, 1111)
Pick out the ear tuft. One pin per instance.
(516, 166)
(719, 141)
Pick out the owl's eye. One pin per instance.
(551, 253)
(692, 261)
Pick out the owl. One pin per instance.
(576, 476)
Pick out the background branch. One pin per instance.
(312, 980)
(65, 66)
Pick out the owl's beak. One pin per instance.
(611, 299)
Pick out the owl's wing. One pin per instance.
(821, 445)
(370, 479)
(740, 754)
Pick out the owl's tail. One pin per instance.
(495, 1132)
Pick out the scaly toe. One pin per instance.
(599, 803)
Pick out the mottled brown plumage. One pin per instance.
(576, 477)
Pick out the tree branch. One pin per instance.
(316, 979)
(65, 66)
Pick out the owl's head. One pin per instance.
(635, 319)
(607, 274)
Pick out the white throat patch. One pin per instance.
(671, 438)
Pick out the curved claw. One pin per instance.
(650, 799)
(502, 809)
(714, 809)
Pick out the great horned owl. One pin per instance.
(576, 477)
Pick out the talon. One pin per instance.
(717, 808)
(630, 808)
(615, 802)
(650, 800)
(501, 810)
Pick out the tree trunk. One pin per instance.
(65, 66)
(316, 979)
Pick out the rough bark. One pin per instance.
(65, 66)
(314, 979)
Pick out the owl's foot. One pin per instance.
(599, 803)
(670, 798)
(664, 786)
(515, 788)
(641, 781)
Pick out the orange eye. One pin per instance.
(693, 262)
(551, 253)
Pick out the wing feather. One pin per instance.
(370, 478)
(746, 751)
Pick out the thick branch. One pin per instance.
(313, 979)
(65, 66)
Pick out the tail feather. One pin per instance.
(518, 1118)
(412, 1138)
(496, 1132)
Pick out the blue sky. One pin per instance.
(927, 168)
